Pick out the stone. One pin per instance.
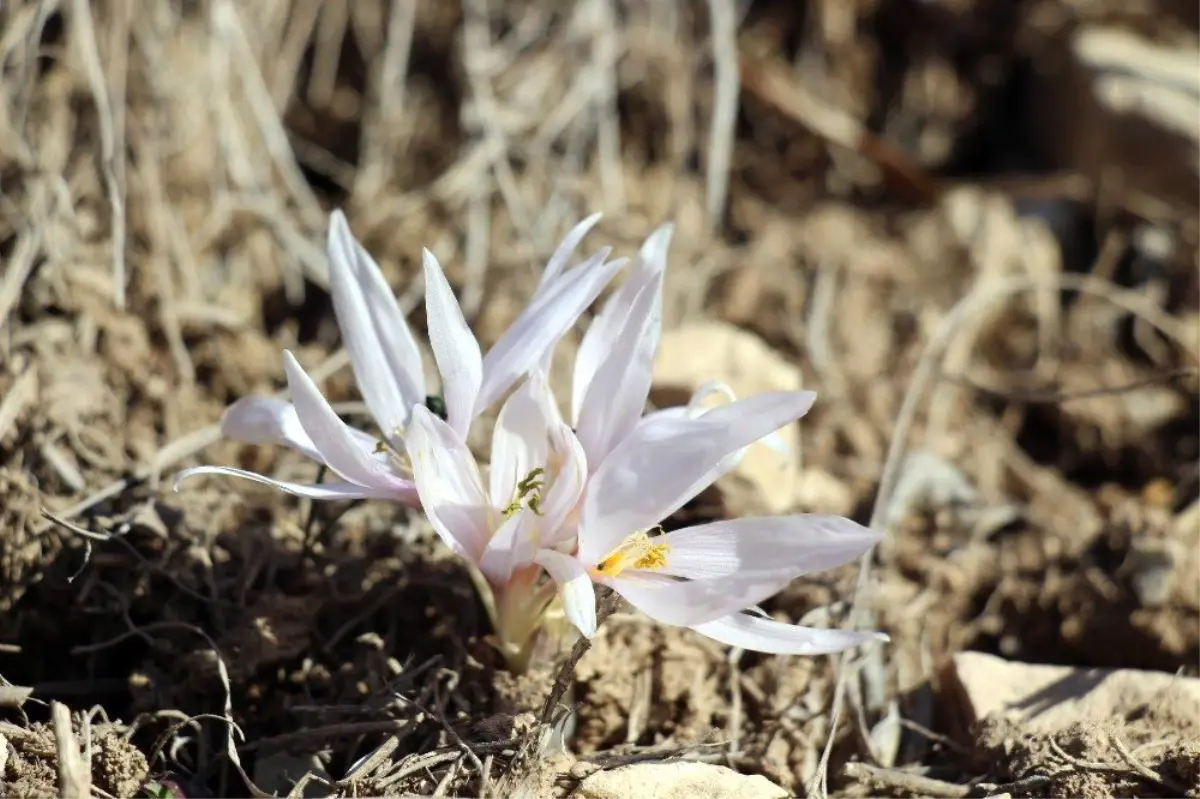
(679, 779)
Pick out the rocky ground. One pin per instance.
(970, 225)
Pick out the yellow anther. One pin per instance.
(638, 550)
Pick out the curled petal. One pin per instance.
(340, 447)
(330, 490)
(449, 485)
(383, 352)
(454, 348)
(777, 638)
(800, 544)
(575, 588)
(258, 419)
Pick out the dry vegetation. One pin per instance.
(989, 277)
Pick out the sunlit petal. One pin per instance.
(519, 441)
(383, 352)
(259, 419)
(801, 544)
(541, 325)
(601, 335)
(570, 243)
(660, 466)
(768, 635)
(685, 603)
(449, 485)
(575, 588)
(454, 348)
(616, 397)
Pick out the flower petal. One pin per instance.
(449, 485)
(383, 352)
(569, 470)
(570, 243)
(575, 588)
(454, 347)
(601, 335)
(519, 442)
(773, 441)
(662, 465)
(330, 490)
(777, 638)
(259, 419)
(686, 603)
(509, 546)
(540, 326)
(616, 396)
(801, 544)
(339, 446)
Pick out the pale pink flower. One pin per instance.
(536, 476)
(702, 577)
(387, 367)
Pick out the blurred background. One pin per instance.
(991, 204)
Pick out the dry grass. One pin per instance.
(166, 172)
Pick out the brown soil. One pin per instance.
(1049, 513)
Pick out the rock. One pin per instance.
(1045, 699)
(679, 779)
(701, 352)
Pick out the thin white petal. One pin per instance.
(801, 544)
(602, 334)
(258, 419)
(540, 326)
(559, 503)
(616, 396)
(555, 267)
(339, 446)
(449, 485)
(330, 490)
(777, 638)
(509, 547)
(686, 603)
(519, 442)
(575, 588)
(383, 353)
(454, 347)
(662, 465)
(570, 243)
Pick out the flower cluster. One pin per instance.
(561, 503)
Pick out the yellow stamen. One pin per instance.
(639, 551)
(529, 492)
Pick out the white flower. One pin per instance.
(387, 367)
(645, 467)
(704, 576)
(534, 483)
(614, 367)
